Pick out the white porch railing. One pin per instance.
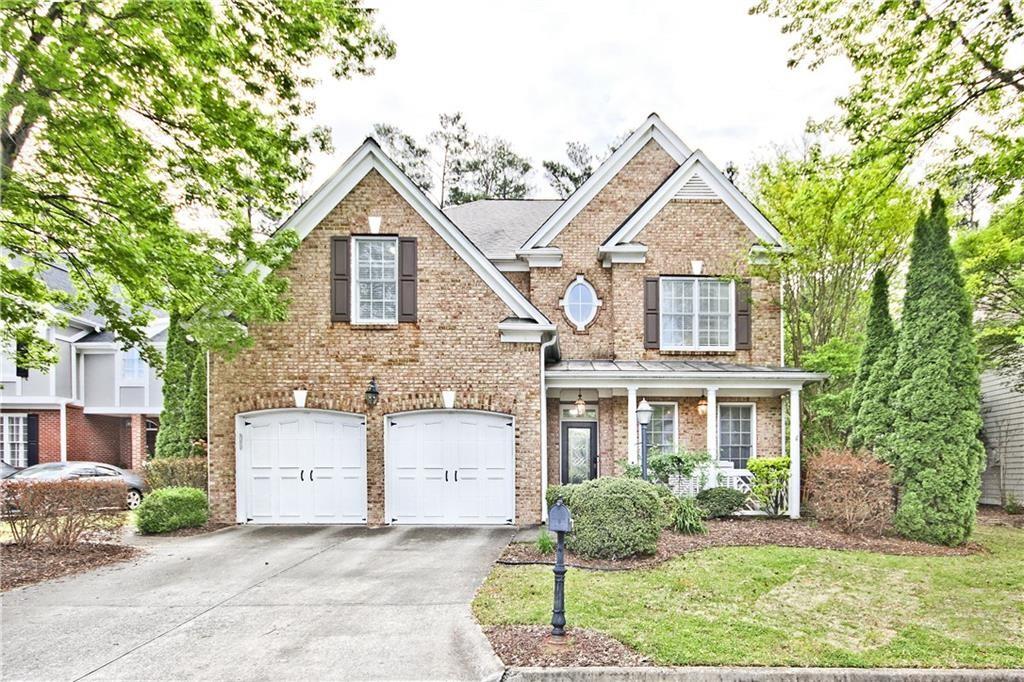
(715, 474)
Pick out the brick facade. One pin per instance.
(91, 437)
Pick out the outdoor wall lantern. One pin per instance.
(580, 406)
(448, 399)
(643, 418)
(374, 222)
(372, 394)
(702, 406)
(299, 396)
(560, 521)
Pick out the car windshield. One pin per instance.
(45, 472)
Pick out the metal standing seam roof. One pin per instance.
(500, 226)
(663, 366)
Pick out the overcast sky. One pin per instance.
(542, 73)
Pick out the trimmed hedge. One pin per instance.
(614, 518)
(560, 491)
(175, 472)
(63, 513)
(669, 502)
(720, 501)
(771, 482)
(169, 509)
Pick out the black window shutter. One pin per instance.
(743, 328)
(341, 286)
(651, 322)
(407, 279)
(33, 439)
(19, 350)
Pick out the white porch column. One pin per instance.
(794, 453)
(712, 427)
(631, 449)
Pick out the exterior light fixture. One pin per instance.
(372, 394)
(644, 412)
(374, 222)
(580, 406)
(643, 418)
(299, 395)
(702, 406)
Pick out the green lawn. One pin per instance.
(783, 606)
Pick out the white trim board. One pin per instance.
(369, 157)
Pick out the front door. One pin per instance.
(579, 451)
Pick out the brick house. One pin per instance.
(98, 403)
(445, 367)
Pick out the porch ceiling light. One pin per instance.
(372, 393)
(580, 406)
(644, 412)
(702, 406)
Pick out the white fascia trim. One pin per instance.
(525, 332)
(622, 253)
(546, 257)
(74, 337)
(150, 410)
(697, 164)
(93, 347)
(37, 402)
(652, 129)
(511, 264)
(369, 157)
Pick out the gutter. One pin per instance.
(544, 430)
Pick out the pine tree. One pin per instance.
(170, 439)
(872, 388)
(935, 451)
(195, 408)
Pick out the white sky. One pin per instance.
(542, 73)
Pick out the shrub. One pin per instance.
(721, 501)
(169, 509)
(61, 512)
(681, 462)
(1012, 505)
(614, 518)
(172, 472)
(545, 543)
(689, 517)
(852, 491)
(771, 482)
(668, 501)
(560, 491)
(630, 470)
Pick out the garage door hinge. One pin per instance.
(508, 521)
(247, 423)
(394, 423)
(508, 424)
(394, 520)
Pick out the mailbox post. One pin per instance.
(560, 521)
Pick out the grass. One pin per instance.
(784, 606)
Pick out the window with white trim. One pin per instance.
(8, 363)
(375, 294)
(580, 302)
(661, 432)
(735, 434)
(696, 313)
(14, 439)
(133, 369)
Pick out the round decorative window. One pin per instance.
(580, 303)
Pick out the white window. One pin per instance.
(8, 364)
(375, 292)
(696, 314)
(133, 369)
(736, 432)
(14, 439)
(580, 302)
(661, 432)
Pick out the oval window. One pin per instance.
(580, 302)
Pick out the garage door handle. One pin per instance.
(445, 475)
(311, 474)
(302, 475)
(456, 475)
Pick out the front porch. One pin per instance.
(735, 412)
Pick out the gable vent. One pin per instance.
(696, 188)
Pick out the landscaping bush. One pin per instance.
(689, 517)
(721, 501)
(1013, 505)
(852, 491)
(169, 509)
(669, 501)
(61, 512)
(176, 472)
(681, 462)
(614, 518)
(771, 482)
(560, 491)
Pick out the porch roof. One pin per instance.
(675, 372)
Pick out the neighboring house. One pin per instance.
(1002, 409)
(98, 403)
(442, 354)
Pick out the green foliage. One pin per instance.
(870, 405)
(771, 482)
(679, 462)
(630, 470)
(168, 472)
(668, 501)
(564, 178)
(169, 509)
(493, 170)
(934, 451)
(172, 439)
(564, 492)
(614, 518)
(545, 542)
(827, 404)
(1012, 505)
(689, 517)
(992, 260)
(122, 120)
(720, 501)
(194, 424)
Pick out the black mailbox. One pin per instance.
(559, 518)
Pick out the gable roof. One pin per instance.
(696, 178)
(500, 226)
(369, 156)
(653, 128)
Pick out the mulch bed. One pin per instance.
(745, 533)
(991, 515)
(26, 565)
(529, 646)
(186, 532)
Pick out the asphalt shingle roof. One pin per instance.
(500, 226)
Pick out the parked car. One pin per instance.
(7, 469)
(56, 471)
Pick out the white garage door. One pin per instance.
(302, 466)
(450, 467)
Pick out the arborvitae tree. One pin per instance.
(935, 451)
(880, 344)
(171, 440)
(195, 408)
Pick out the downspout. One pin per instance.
(544, 429)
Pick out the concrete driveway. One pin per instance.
(268, 602)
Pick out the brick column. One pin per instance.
(137, 434)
